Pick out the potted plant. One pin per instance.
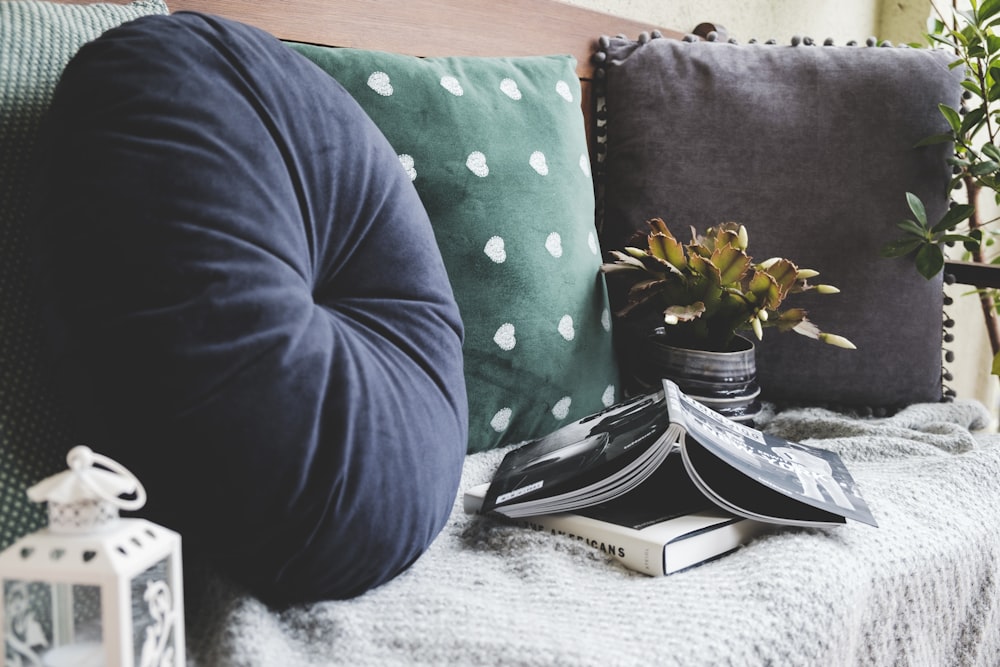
(690, 302)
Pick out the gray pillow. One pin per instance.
(813, 149)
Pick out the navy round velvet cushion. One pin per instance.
(248, 306)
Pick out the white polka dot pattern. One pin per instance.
(510, 89)
(379, 82)
(504, 337)
(496, 250)
(452, 85)
(608, 397)
(501, 420)
(562, 88)
(476, 162)
(566, 329)
(407, 162)
(538, 163)
(553, 243)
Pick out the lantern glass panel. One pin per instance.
(52, 624)
(154, 620)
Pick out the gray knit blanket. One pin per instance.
(922, 589)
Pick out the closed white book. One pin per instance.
(641, 537)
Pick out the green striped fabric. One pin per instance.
(37, 39)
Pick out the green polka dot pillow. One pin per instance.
(497, 151)
(37, 39)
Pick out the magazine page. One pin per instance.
(621, 481)
(667, 494)
(813, 477)
(583, 454)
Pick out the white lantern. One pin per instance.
(92, 589)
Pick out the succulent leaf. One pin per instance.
(732, 264)
(784, 273)
(659, 226)
(685, 313)
(789, 319)
(765, 289)
(668, 249)
(703, 266)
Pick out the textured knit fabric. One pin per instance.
(814, 150)
(36, 41)
(497, 152)
(249, 308)
(921, 589)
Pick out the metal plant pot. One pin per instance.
(723, 381)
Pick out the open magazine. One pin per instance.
(737, 468)
(641, 531)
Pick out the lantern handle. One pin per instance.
(81, 457)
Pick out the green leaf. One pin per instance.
(955, 215)
(988, 9)
(934, 139)
(991, 151)
(950, 115)
(901, 247)
(972, 87)
(963, 36)
(912, 227)
(930, 260)
(985, 167)
(946, 41)
(957, 238)
(918, 209)
(992, 43)
(996, 365)
(971, 120)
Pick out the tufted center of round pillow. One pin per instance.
(248, 306)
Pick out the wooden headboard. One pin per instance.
(432, 27)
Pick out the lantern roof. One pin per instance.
(85, 481)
